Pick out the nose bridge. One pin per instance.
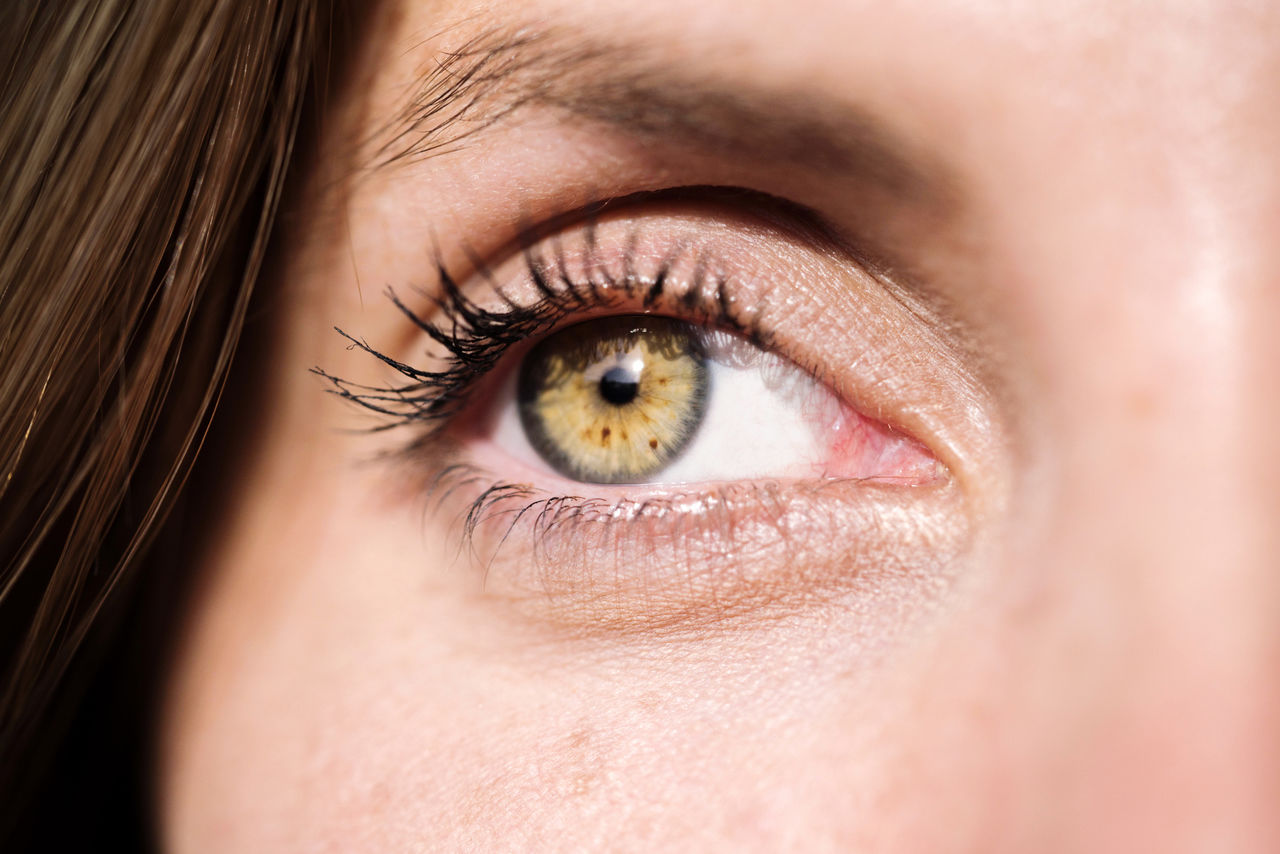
(1148, 516)
(1191, 400)
(1167, 529)
(1158, 544)
(1162, 521)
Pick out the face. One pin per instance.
(755, 430)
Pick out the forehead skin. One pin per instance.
(1100, 675)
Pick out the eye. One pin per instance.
(692, 385)
(639, 399)
(610, 418)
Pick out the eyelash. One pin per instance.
(475, 338)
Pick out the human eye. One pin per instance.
(633, 399)
(642, 401)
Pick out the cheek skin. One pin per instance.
(321, 706)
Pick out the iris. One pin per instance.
(614, 400)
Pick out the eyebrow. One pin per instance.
(474, 88)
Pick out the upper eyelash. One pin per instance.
(475, 338)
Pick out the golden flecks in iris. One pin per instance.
(614, 400)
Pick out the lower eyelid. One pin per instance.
(682, 560)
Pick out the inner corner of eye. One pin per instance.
(639, 399)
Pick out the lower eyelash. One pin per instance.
(498, 508)
(679, 561)
(474, 338)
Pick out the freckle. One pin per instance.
(624, 435)
(662, 381)
(653, 443)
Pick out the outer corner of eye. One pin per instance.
(868, 449)
(654, 400)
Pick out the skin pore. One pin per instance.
(1036, 239)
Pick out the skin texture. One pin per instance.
(1069, 299)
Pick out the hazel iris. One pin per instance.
(614, 400)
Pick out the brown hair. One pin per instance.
(143, 151)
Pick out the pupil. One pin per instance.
(619, 386)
